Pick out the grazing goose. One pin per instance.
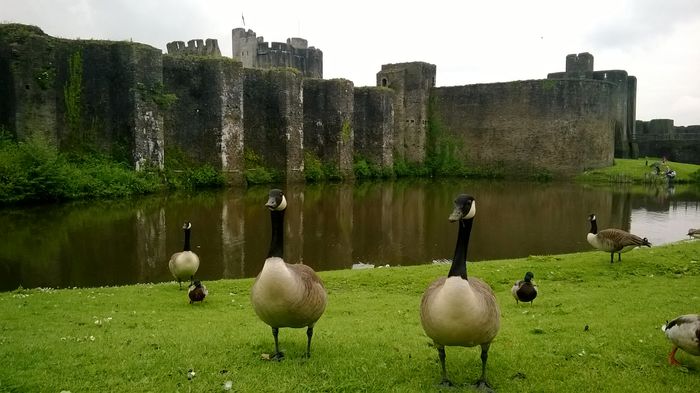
(458, 310)
(684, 333)
(197, 292)
(525, 290)
(694, 233)
(286, 295)
(613, 240)
(183, 265)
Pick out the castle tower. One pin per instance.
(583, 62)
(623, 96)
(411, 83)
(254, 52)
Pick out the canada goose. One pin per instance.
(183, 265)
(684, 333)
(694, 233)
(457, 310)
(525, 290)
(613, 240)
(286, 295)
(197, 292)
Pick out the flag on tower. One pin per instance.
(243, 19)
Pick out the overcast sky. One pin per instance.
(658, 41)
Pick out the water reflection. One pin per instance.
(327, 227)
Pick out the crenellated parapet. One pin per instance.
(208, 47)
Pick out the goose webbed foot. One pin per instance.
(483, 385)
(277, 356)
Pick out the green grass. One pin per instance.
(641, 171)
(145, 338)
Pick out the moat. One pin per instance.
(329, 227)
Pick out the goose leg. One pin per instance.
(619, 257)
(309, 334)
(179, 282)
(441, 354)
(277, 355)
(612, 254)
(672, 357)
(482, 384)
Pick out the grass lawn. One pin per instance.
(147, 338)
(640, 171)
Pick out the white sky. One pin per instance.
(470, 41)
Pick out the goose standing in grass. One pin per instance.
(183, 265)
(613, 240)
(286, 295)
(694, 233)
(525, 290)
(197, 292)
(458, 310)
(684, 333)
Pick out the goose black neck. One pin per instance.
(459, 261)
(187, 246)
(594, 227)
(277, 240)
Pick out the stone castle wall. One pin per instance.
(373, 125)
(580, 66)
(205, 123)
(328, 130)
(412, 83)
(660, 138)
(82, 94)
(562, 126)
(273, 120)
(110, 95)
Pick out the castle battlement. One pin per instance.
(208, 47)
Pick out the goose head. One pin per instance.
(591, 217)
(276, 200)
(464, 208)
(187, 225)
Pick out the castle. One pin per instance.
(269, 106)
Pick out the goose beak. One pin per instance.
(456, 214)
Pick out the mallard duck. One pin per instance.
(525, 290)
(183, 265)
(684, 333)
(458, 310)
(694, 233)
(613, 240)
(197, 292)
(284, 294)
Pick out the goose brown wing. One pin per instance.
(617, 239)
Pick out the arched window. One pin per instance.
(384, 82)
